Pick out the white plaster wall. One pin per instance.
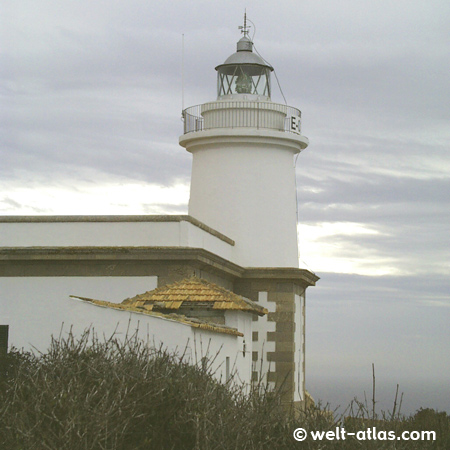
(98, 234)
(192, 236)
(303, 351)
(107, 322)
(36, 307)
(217, 347)
(115, 234)
(175, 337)
(244, 323)
(299, 357)
(244, 187)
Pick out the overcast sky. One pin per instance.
(90, 116)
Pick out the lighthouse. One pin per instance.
(243, 185)
(236, 247)
(243, 175)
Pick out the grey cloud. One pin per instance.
(376, 190)
(91, 93)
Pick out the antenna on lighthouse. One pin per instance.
(244, 29)
(182, 72)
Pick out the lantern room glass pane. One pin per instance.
(243, 79)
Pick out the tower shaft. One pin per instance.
(243, 184)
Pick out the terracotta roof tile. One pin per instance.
(191, 292)
(194, 292)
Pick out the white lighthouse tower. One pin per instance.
(243, 174)
(243, 185)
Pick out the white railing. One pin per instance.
(242, 114)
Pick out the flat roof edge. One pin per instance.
(118, 218)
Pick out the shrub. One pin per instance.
(87, 394)
(84, 394)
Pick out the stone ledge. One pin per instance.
(126, 255)
(92, 253)
(282, 274)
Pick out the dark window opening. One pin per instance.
(4, 332)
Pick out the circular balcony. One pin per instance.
(242, 114)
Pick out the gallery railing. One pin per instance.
(242, 114)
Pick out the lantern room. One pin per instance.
(244, 74)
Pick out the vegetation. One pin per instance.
(86, 394)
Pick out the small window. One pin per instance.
(4, 331)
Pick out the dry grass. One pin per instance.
(92, 395)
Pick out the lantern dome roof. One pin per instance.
(245, 55)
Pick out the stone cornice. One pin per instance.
(198, 256)
(126, 254)
(281, 273)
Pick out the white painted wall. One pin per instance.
(217, 347)
(114, 234)
(192, 236)
(89, 233)
(244, 323)
(299, 342)
(35, 308)
(243, 185)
